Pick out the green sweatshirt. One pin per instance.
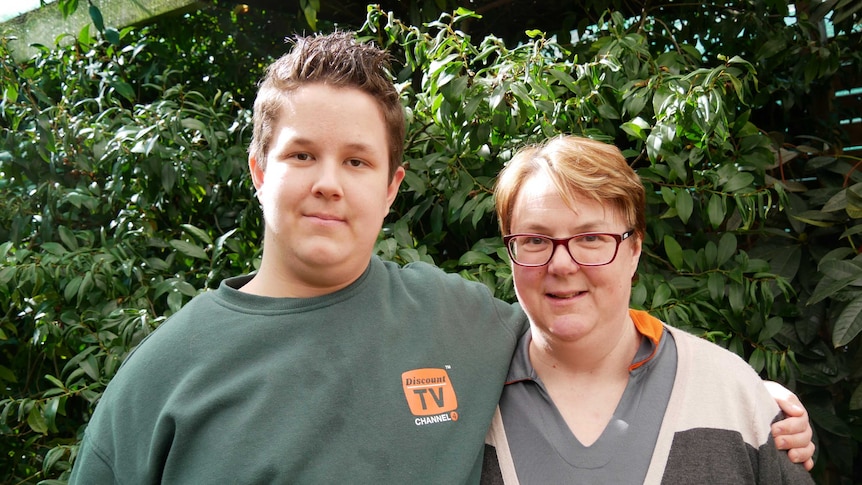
(393, 379)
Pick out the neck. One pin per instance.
(599, 355)
(586, 378)
(268, 281)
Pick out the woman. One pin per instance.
(594, 386)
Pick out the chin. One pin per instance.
(323, 255)
(569, 331)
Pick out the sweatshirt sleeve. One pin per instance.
(90, 467)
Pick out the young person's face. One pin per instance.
(566, 301)
(325, 189)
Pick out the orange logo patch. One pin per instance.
(429, 391)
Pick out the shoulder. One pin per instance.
(429, 289)
(430, 278)
(707, 355)
(417, 269)
(724, 386)
(162, 351)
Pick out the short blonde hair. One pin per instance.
(337, 60)
(578, 167)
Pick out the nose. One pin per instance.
(562, 261)
(328, 181)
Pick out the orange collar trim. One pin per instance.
(651, 328)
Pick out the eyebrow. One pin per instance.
(579, 229)
(305, 143)
(361, 147)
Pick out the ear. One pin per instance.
(392, 190)
(256, 173)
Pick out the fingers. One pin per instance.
(791, 406)
(787, 401)
(803, 455)
(800, 448)
(793, 433)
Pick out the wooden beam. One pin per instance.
(46, 24)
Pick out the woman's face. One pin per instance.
(566, 301)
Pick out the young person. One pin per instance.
(597, 392)
(328, 365)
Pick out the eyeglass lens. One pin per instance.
(586, 249)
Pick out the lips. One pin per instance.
(565, 296)
(325, 217)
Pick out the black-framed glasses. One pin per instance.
(587, 249)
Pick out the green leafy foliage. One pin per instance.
(125, 192)
(736, 223)
(115, 213)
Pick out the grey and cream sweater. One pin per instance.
(715, 427)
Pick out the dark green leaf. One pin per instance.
(186, 288)
(674, 251)
(175, 301)
(770, 328)
(739, 181)
(716, 210)
(684, 204)
(123, 88)
(856, 399)
(473, 258)
(56, 249)
(827, 420)
(68, 238)
(91, 367)
(198, 233)
(771, 47)
(736, 297)
(10, 94)
(193, 124)
(841, 269)
(715, 283)
(849, 323)
(72, 287)
(56, 382)
(36, 421)
(661, 296)
(112, 36)
(757, 360)
(7, 375)
(637, 128)
(726, 248)
(189, 249)
(68, 7)
(837, 202)
(414, 182)
(169, 177)
(402, 234)
(828, 287)
(53, 456)
(310, 15)
(85, 287)
(96, 15)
